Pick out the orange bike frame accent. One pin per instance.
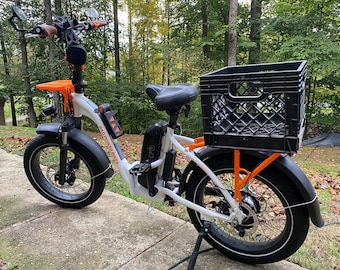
(198, 142)
(65, 87)
(240, 182)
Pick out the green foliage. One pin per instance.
(165, 45)
(308, 30)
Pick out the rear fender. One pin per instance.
(80, 138)
(284, 164)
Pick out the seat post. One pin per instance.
(173, 113)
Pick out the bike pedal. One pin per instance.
(140, 169)
(170, 201)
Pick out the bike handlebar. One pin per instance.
(97, 24)
(46, 30)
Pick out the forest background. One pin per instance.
(169, 42)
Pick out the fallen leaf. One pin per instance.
(335, 208)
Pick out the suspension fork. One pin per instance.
(67, 125)
(240, 182)
(62, 157)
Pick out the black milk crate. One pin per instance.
(256, 107)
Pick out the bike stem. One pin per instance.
(77, 80)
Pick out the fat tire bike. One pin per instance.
(257, 204)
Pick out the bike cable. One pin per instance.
(188, 258)
(327, 224)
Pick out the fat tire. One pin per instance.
(48, 188)
(285, 244)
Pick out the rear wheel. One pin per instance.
(82, 185)
(271, 231)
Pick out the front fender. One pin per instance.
(84, 141)
(284, 164)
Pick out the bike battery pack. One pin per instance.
(152, 144)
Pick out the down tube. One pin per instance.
(85, 106)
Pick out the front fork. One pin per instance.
(67, 125)
(62, 158)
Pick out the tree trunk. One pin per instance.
(166, 62)
(51, 58)
(232, 50)
(255, 31)
(14, 116)
(27, 84)
(205, 27)
(130, 38)
(226, 35)
(2, 98)
(2, 111)
(116, 36)
(58, 9)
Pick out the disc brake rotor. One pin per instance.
(250, 223)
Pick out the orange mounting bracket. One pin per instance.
(65, 87)
(239, 181)
(198, 142)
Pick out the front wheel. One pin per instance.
(271, 230)
(82, 185)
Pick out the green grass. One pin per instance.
(324, 160)
(7, 108)
(15, 139)
(6, 265)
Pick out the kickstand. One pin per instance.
(205, 229)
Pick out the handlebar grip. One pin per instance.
(45, 30)
(97, 24)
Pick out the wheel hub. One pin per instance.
(250, 208)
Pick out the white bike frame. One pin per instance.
(83, 106)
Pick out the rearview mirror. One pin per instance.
(19, 13)
(91, 13)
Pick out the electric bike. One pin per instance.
(253, 206)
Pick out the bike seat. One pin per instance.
(167, 97)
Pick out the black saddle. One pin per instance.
(168, 97)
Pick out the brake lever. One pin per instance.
(30, 35)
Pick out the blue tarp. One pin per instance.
(329, 139)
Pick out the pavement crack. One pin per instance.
(32, 219)
(155, 243)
